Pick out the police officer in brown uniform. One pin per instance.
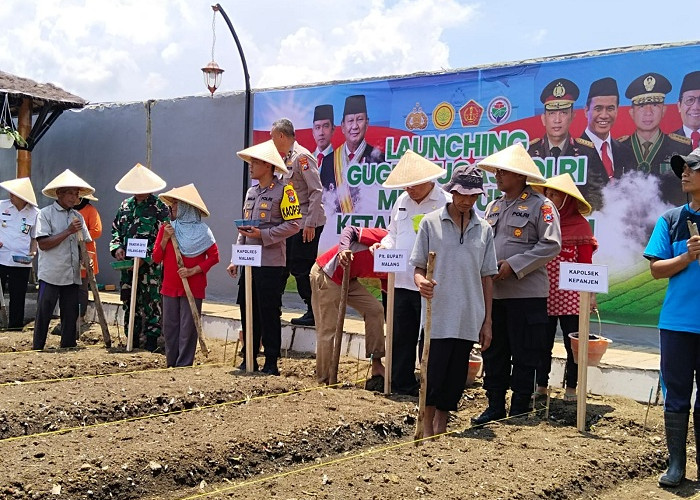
(527, 236)
(611, 158)
(302, 248)
(276, 206)
(650, 147)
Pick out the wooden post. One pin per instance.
(249, 358)
(95, 292)
(24, 126)
(196, 317)
(132, 304)
(389, 349)
(583, 331)
(426, 352)
(338, 338)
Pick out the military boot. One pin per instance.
(270, 366)
(519, 404)
(496, 409)
(676, 434)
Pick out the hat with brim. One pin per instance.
(513, 159)
(411, 170)
(140, 180)
(267, 152)
(90, 197)
(67, 179)
(188, 194)
(22, 188)
(466, 180)
(565, 184)
(678, 162)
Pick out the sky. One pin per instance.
(135, 50)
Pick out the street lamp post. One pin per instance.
(212, 74)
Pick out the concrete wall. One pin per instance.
(194, 139)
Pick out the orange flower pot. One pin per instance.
(597, 345)
(475, 364)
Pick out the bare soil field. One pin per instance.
(96, 423)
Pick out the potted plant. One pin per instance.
(8, 137)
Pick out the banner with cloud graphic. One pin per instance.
(612, 121)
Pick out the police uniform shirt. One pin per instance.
(527, 235)
(59, 265)
(403, 224)
(17, 228)
(303, 175)
(264, 203)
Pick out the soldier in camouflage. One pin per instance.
(140, 217)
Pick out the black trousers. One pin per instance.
(407, 306)
(67, 297)
(267, 301)
(519, 333)
(14, 281)
(300, 259)
(569, 324)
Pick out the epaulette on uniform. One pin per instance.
(623, 138)
(584, 142)
(680, 138)
(535, 141)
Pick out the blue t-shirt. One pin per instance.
(680, 311)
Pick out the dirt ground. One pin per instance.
(95, 423)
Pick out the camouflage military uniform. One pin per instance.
(142, 221)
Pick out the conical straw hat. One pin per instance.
(140, 180)
(267, 152)
(565, 184)
(21, 188)
(90, 197)
(188, 194)
(411, 170)
(513, 159)
(67, 179)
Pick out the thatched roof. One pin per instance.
(18, 88)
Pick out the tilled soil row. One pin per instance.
(156, 456)
(525, 458)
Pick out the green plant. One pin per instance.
(4, 129)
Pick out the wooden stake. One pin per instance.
(95, 292)
(132, 303)
(426, 352)
(338, 338)
(389, 349)
(583, 331)
(249, 358)
(190, 298)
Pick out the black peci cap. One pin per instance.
(691, 81)
(323, 112)
(355, 104)
(603, 87)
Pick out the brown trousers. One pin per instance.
(325, 300)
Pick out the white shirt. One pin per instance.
(17, 228)
(598, 143)
(402, 235)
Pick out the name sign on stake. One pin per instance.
(136, 247)
(390, 261)
(583, 277)
(246, 255)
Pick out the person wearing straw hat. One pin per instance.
(302, 247)
(461, 290)
(673, 252)
(276, 206)
(527, 236)
(422, 195)
(140, 216)
(59, 257)
(94, 225)
(577, 245)
(199, 254)
(17, 238)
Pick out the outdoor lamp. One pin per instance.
(212, 76)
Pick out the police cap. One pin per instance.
(559, 94)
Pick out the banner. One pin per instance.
(612, 121)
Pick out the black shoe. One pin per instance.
(520, 404)
(489, 415)
(242, 366)
(151, 343)
(270, 367)
(306, 320)
(376, 384)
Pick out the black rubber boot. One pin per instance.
(676, 434)
(496, 409)
(151, 343)
(306, 320)
(520, 404)
(270, 366)
(696, 428)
